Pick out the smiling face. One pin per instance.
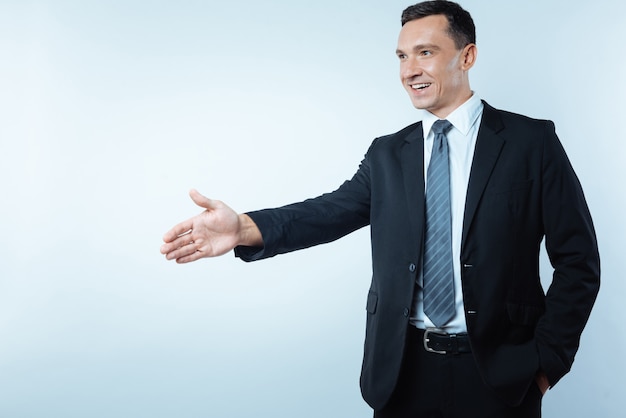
(433, 71)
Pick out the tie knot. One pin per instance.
(441, 126)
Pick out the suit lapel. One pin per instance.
(488, 147)
(412, 162)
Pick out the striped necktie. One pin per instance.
(438, 271)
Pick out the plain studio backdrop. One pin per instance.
(110, 111)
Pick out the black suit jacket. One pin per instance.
(522, 188)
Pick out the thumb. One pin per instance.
(201, 200)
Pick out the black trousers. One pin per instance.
(448, 386)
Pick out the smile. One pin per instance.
(420, 86)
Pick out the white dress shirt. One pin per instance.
(462, 136)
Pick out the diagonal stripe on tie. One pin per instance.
(438, 270)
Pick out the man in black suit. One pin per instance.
(488, 342)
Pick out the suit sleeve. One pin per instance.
(572, 248)
(314, 221)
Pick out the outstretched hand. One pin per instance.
(211, 233)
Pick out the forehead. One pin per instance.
(427, 30)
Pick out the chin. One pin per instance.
(421, 102)
(421, 105)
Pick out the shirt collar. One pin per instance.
(462, 118)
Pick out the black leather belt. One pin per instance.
(440, 342)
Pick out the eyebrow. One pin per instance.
(420, 47)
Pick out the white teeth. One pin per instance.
(420, 86)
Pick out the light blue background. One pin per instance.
(110, 111)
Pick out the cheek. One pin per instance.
(453, 73)
(453, 79)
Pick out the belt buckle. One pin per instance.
(427, 333)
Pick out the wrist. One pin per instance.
(249, 233)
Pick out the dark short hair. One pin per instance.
(460, 23)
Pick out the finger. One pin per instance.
(191, 257)
(178, 230)
(177, 243)
(201, 200)
(179, 249)
(187, 253)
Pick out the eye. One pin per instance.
(426, 53)
(402, 56)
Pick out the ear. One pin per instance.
(468, 56)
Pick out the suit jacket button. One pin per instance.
(412, 268)
(406, 312)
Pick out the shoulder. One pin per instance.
(523, 133)
(409, 133)
(499, 120)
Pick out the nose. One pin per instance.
(410, 68)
